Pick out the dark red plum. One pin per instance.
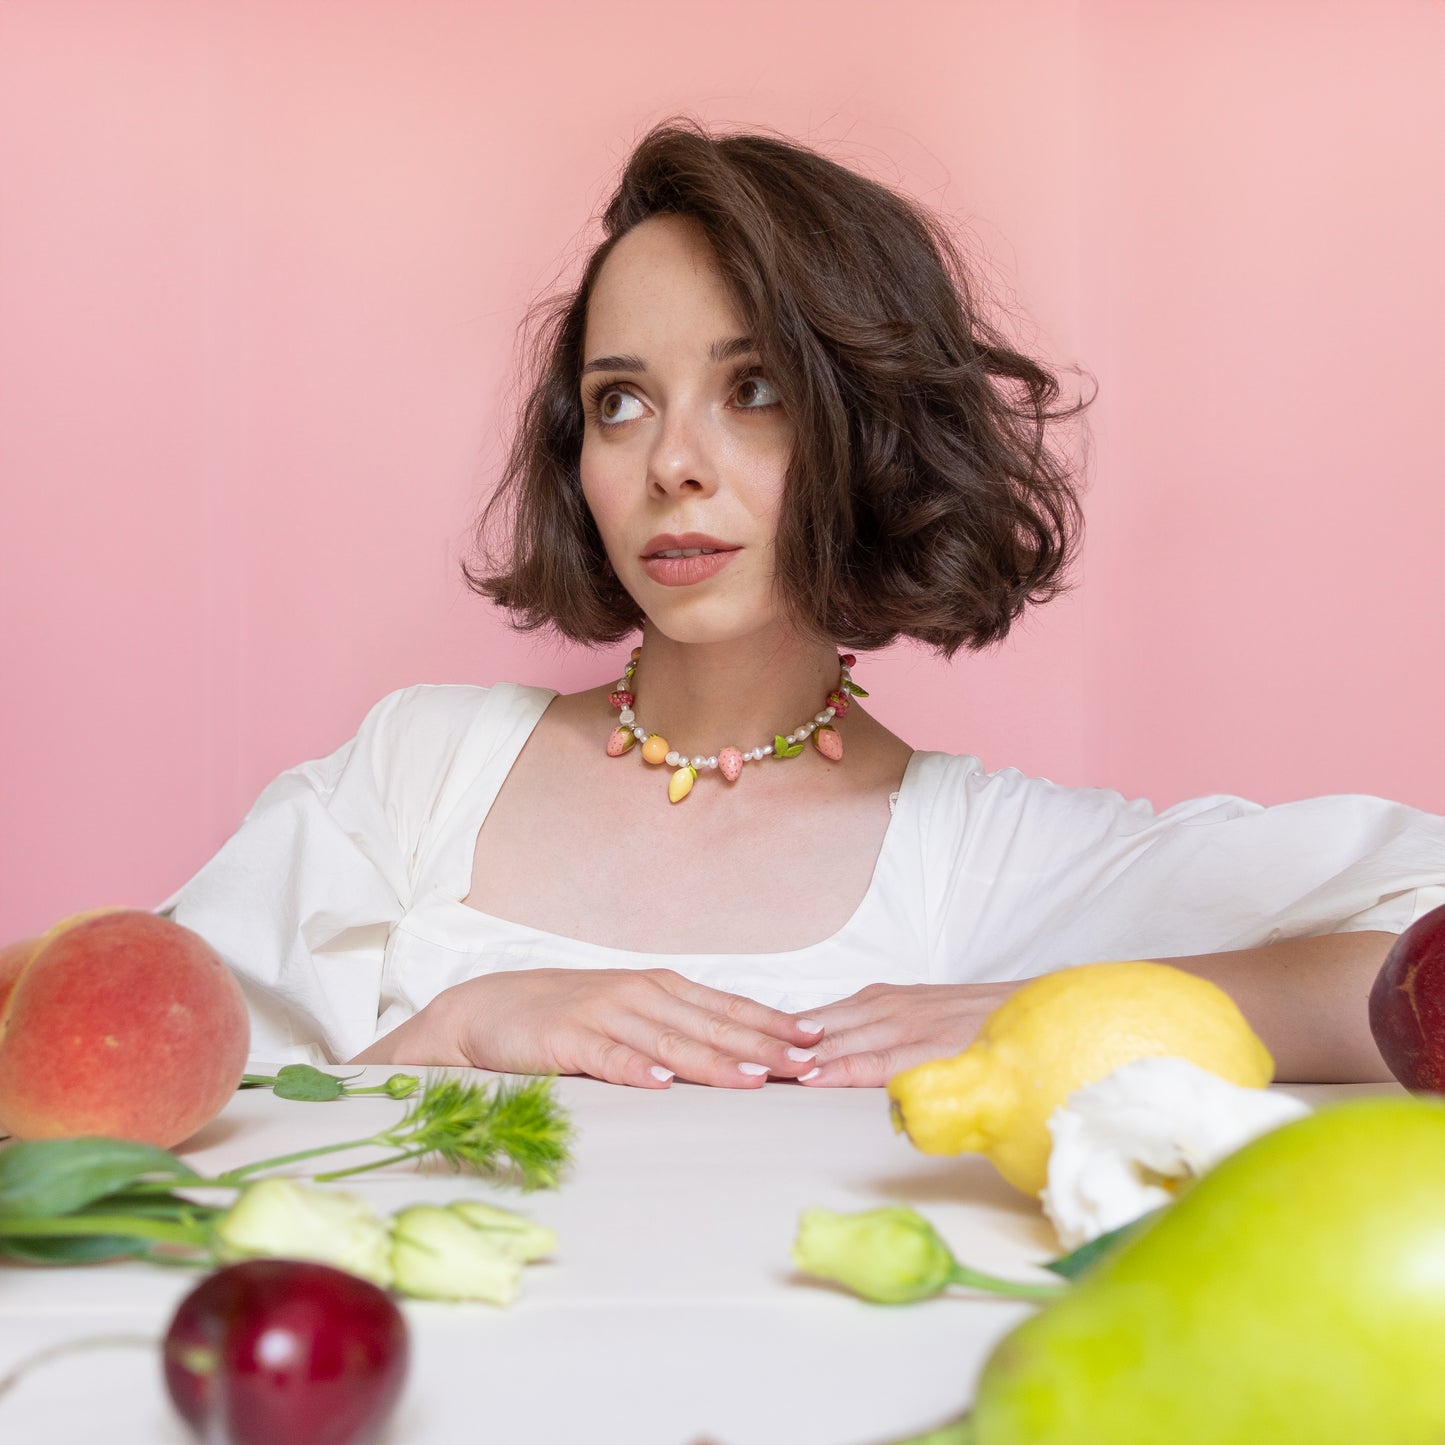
(283, 1352)
(1407, 1005)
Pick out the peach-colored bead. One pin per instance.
(620, 741)
(829, 743)
(655, 749)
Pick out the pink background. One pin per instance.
(261, 264)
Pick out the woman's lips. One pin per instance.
(685, 571)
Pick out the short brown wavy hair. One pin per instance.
(924, 497)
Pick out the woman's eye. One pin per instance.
(755, 392)
(618, 406)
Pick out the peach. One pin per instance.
(117, 1022)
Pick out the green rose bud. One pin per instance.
(280, 1219)
(527, 1240)
(891, 1256)
(437, 1254)
(401, 1086)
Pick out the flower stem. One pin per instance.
(72, 1347)
(1010, 1288)
(362, 1168)
(135, 1226)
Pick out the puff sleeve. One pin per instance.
(1034, 876)
(301, 900)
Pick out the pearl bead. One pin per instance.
(699, 761)
(673, 759)
(712, 761)
(640, 734)
(821, 717)
(768, 751)
(829, 713)
(626, 717)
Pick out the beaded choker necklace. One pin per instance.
(728, 761)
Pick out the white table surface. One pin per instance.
(670, 1315)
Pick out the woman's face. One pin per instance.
(686, 442)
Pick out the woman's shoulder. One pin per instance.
(436, 711)
(413, 739)
(957, 789)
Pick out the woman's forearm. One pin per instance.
(427, 1037)
(1308, 999)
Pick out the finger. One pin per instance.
(748, 1051)
(618, 1063)
(693, 1058)
(869, 1069)
(741, 1010)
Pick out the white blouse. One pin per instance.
(338, 900)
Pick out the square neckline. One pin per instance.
(481, 794)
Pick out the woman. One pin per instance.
(769, 428)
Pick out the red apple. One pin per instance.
(281, 1352)
(117, 1022)
(1407, 1005)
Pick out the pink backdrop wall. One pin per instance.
(261, 264)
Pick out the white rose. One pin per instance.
(1123, 1145)
(281, 1219)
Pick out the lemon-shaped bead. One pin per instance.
(679, 785)
(655, 749)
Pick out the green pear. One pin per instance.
(1294, 1296)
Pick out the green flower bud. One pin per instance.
(280, 1219)
(437, 1254)
(891, 1256)
(527, 1240)
(401, 1086)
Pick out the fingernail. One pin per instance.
(752, 1068)
(811, 1074)
(658, 1072)
(803, 1056)
(810, 1026)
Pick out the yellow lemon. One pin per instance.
(1055, 1034)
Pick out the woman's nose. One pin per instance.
(680, 461)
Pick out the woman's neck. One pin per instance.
(706, 696)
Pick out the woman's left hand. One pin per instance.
(888, 1027)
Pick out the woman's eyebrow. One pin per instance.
(719, 351)
(727, 350)
(615, 363)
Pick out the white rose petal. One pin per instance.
(526, 1239)
(1119, 1145)
(436, 1254)
(280, 1219)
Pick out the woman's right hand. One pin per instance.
(628, 1026)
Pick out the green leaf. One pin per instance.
(55, 1176)
(76, 1249)
(855, 689)
(301, 1081)
(782, 748)
(1077, 1261)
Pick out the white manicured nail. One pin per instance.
(811, 1074)
(810, 1026)
(658, 1072)
(803, 1056)
(752, 1068)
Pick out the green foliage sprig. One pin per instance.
(75, 1201)
(301, 1081)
